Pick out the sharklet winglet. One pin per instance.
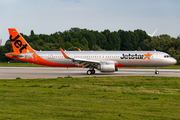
(64, 54)
(79, 49)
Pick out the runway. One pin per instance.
(53, 72)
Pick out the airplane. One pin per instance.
(153, 33)
(104, 61)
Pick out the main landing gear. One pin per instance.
(89, 72)
(156, 71)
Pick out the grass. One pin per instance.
(123, 97)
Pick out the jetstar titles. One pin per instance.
(132, 56)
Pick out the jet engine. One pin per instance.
(107, 67)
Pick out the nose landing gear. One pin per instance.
(156, 71)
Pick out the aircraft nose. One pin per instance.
(173, 61)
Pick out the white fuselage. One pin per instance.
(127, 58)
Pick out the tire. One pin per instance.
(92, 71)
(89, 72)
(156, 72)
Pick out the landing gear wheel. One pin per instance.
(156, 72)
(89, 72)
(92, 71)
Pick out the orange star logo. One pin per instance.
(147, 56)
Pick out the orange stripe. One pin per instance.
(41, 61)
(121, 65)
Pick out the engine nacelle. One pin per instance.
(107, 67)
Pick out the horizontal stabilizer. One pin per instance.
(15, 54)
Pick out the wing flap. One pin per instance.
(78, 60)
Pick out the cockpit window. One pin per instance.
(167, 56)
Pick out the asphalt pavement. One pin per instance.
(54, 72)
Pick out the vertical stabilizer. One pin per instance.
(19, 44)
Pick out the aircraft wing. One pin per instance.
(81, 61)
(85, 62)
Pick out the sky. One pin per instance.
(50, 16)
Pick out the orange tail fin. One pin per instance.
(19, 44)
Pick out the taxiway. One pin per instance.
(52, 72)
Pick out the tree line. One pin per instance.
(85, 39)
